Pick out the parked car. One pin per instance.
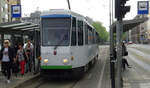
(130, 42)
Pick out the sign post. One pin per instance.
(16, 11)
(143, 7)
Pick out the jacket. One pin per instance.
(11, 54)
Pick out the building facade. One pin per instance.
(5, 10)
(13, 2)
(34, 18)
(141, 33)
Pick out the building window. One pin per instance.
(3, 19)
(6, 6)
(2, 9)
(6, 16)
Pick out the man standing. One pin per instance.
(30, 62)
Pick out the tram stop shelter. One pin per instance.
(127, 25)
(19, 32)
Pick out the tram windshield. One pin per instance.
(56, 31)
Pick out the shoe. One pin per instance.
(8, 81)
(129, 66)
(26, 72)
(16, 75)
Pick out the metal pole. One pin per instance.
(2, 37)
(110, 21)
(69, 4)
(112, 59)
(112, 11)
(119, 29)
(35, 52)
(112, 63)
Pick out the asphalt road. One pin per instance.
(139, 75)
(96, 77)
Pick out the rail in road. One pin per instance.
(96, 77)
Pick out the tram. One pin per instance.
(68, 43)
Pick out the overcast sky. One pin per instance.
(98, 10)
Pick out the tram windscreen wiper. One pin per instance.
(61, 41)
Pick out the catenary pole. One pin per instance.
(69, 5)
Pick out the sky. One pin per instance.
(98, 10)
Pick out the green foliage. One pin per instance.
(124, 36)
(104, 35)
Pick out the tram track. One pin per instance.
(60, 83)
(40, 85)
(89, 80)
(52, 83)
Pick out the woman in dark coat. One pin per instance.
(6, 59)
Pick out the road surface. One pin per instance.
(139, 75)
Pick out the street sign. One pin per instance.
(143, 7)
(16, 11)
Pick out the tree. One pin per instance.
(103, 34)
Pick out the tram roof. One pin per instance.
(129, 24)
(18, 26)
(58, 13)
(62, 12)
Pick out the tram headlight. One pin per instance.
(72, 58)
(45, 60)
(65, 61)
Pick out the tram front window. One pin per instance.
(56, 32)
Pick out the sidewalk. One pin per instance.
(16, 81)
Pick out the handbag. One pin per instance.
(126, 53)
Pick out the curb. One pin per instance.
(26, 82)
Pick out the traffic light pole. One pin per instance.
(120, 11)
(119, 29)
(112, 59)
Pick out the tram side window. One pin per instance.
(80, 33)
(73, 38)
(94, 38)
(86, 34)
(97, 38)
(90, 37)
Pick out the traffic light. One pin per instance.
(121, 9)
